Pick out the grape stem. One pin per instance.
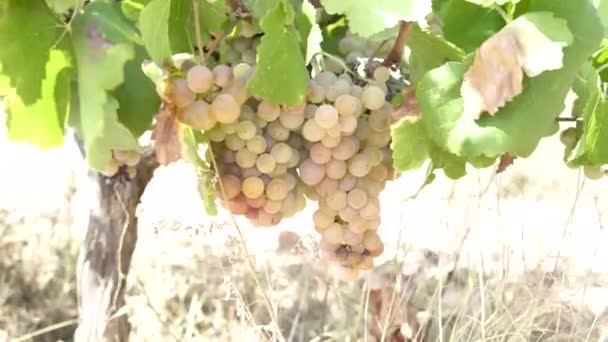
(197, 28)
(394, 56)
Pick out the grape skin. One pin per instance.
(199, 79)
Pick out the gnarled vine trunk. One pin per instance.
(105, 256)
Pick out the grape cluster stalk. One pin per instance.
(332, 148)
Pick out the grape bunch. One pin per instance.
(122, 159)
(347, 131)
(242, 46)
(332, 148)
(569, 138)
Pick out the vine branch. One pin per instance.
(564, 119)
(394, 56)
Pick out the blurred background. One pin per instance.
(518, 256)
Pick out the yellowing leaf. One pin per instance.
(531, 44)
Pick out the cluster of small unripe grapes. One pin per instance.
(242, 47)
(124, 159)
(569, 138)
(352, 47)
(332, 148)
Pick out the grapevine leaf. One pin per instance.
(367, 18)
(590, 149)
(42, 123)
(464, 32)
(61, 6)
(259, 8)
(191, 141)
(489, 3)
(332, 34)
(280, 75)
(213, 17)
(429, 51)
(517, 127)
(410, 145)
(532, 42)
(102, 41)
(602, 10)
(453, 166)
(137, 97)
(28, 29)
(5, 83)
(132, 8)
(154, 28)
(585, 85)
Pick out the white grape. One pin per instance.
(334, 131)
(246, 130)
(370, 210)
(382, 74)
(222, 75)
(310, 172)
(352, 238)
(256, 202)
(268, 111)
(229, 128)
(357, 198)
(326, 116)
(359, 165)
(358, 225)
(252, 187)
(330, 141)
(356, 91)
(326, 187)
(312, 131)
(290, 180)
(334, 233)
(371, 240)
(316, 93)
(272, 207)
(241, 70)
(216, 134)
(239, 93)
(277, 189)
(257, 144)
(378, 139)
(265, 163)
(337, 200)
(372, 98)
(199, 78)
(347, 148)
(322, 220)
(225, 109)
(325, 78)
(379, 120)
(348, 125)
(335, 169)
(281, 152)
(348, 214)
(245, 158)
(251, 172)
(291, 121)
(233, 142)
(277, 131)
(347, 182)
(320, 154)
(181, 94)
(347, 105)
(378, 173)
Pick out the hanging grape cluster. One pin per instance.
(331, 148)
(122, 160)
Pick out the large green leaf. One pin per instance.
(154, 28)
(468, 25)
(310, 32)
(367, 18)
(102, 44)
(280, 75)
(137, 97)
(517, 127)
(42, 122)
(429, 51)
(61, 6)
(410, 145)
(591, 148)
(28, 30)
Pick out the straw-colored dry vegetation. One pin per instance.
(193, 282)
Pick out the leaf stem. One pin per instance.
(394, 56)
(566, 119)
(507, 18)
(197, 28)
